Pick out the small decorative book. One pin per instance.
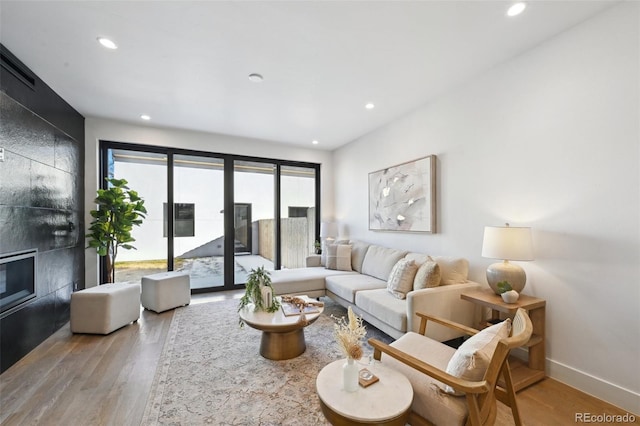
(366, 378)
(289, 309)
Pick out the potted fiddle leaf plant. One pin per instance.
(119, 210)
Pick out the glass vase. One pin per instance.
(350, 375)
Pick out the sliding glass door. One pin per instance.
(146, 173)
(215, 216)
(198, 219)
(253, 216)
(297, 215)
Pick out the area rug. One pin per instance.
(211, 372)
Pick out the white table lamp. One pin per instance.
(507, 243)
(328, 230)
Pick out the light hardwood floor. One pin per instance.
(106, 380)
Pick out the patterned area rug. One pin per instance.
(211, 372)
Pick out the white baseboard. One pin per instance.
(623, 398)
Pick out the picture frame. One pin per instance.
(402, 197)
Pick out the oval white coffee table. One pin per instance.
(386, 402)
(282, 336)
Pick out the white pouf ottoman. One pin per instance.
(105, 308)
(166, 290)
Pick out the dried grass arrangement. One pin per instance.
(349, 334)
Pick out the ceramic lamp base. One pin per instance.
(505, 271)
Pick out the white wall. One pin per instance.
(548, 140)
(97, 129)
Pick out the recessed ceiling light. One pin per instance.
(145, 117)
(109, 44)
(369, 106)
(314, 142)
(256, 78)
(516, 9)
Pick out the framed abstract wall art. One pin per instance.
(402, 197)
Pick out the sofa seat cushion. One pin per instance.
(379, 261)
(346, 286)
(301, 280)
(382, 305)
(428, 399)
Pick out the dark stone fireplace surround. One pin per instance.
(41, 202)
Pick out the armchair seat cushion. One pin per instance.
(429, 401)
(382, 305)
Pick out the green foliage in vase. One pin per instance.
(257, 279)
(504, 286)
(119, 210)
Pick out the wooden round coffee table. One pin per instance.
(282, 336)
(386, 402)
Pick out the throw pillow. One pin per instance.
(339, 257)
(428, 275)
(401, 278)
(324, 246)
(471, 360)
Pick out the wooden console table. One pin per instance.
(533, 370)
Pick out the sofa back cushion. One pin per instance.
(418, 258)
(454, 270)
(379, 261)
(358, 252)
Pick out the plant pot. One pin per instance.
(510, 296)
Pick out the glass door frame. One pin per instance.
(228, 194)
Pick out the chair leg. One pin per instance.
(474, 410)
(511, 394)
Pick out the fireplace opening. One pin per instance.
(17, 280)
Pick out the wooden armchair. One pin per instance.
(424, 362)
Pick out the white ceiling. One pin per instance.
(185, 63)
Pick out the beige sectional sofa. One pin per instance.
(365, 289)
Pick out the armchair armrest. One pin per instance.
(443, 302)
(313, 260)
(451, 324)
(457, 383)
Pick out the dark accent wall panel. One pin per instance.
(41, 203)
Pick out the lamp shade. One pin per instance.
(507, 243)
(328, 230)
